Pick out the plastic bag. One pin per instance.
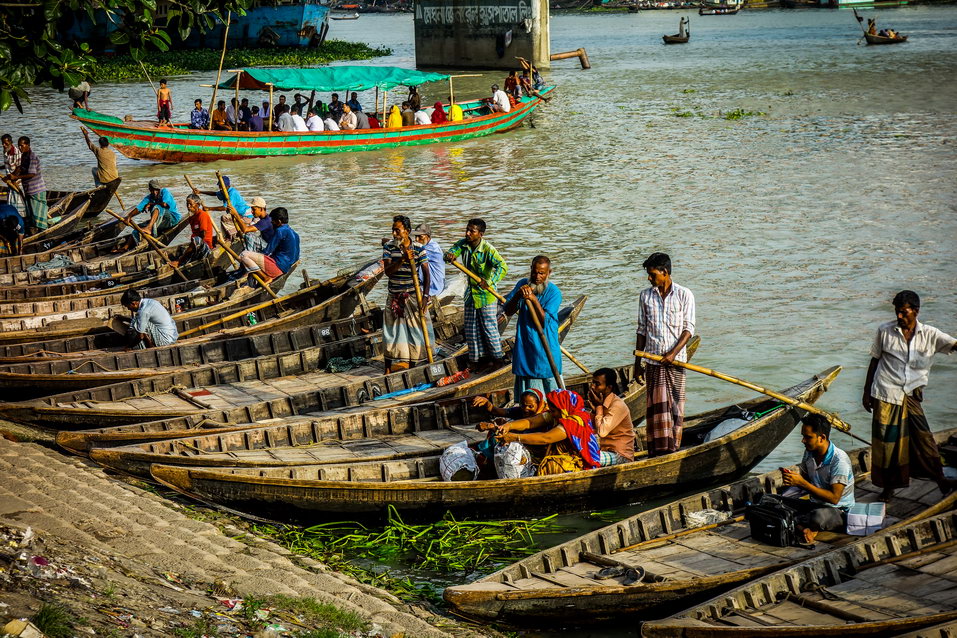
(513, 461)
(705, 517)
(458, 463)
(724, 428)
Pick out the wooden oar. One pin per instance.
(151, 241)
(255, 273)
(235, 315)
(832, 418)
(536, 322)
(422, 309)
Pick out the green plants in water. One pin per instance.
(689, 90)
(116, 68)
(678, 112)
(738, 114)
(55, 621)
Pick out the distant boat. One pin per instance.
(354, 16)
(883, 39)
(683, 33)
(718, 11)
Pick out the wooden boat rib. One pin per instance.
(83, 252)
(899, 581)
(413, 487)
(883, 39)
(333, 299)
(147, 141)
(255, 389)
(689, 563)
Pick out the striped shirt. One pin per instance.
(485, 262)
(663, 320)
(35, 184)
(401, 280)
(11, 158)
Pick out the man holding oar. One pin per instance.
(901, 356)
(402, 329)
(481, 308)
(201, 227)
(280, 253)
(537, 294)
(666, 322)
(161, 206)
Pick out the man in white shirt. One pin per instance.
(298, 124)
(313, 122)
(500, 102)
(348, 120)
(666, 322)
(901, 357)
(231, 112)
(284, 123)
(421, 117)
(330, 124)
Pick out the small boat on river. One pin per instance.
(683, 557)
(346, 16)
(883, 39)
(718, 11)
(179, 143)
(415, 489)
(683, 35)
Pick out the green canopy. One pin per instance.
(330, 78)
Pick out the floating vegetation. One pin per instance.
(689, 90)
(787, 93)
(158, 64)
(738, 114)
(678, 112)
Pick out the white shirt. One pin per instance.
(314, 123)
(500, 99)
(285, 122)
(903, 367)
(348, 121)
(663, 320)
(298, 124)
(330, 124)
(231, 114)
(421, 117)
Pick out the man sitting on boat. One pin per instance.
(151, 326)
(499, 102)
(201, 227)
(220, 117)
(826, 475)
(314, 122)
(348, 120)
(256, 235)
(161, 206)
(612, 418)
(12, 229)
(234, 198)
(571, 444)
(353, 102)
(335, 107)
(280, 253)
(298, 122)
(871, 26)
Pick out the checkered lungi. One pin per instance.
(902, 444)
(481, 331)
(665, 414)
(402, 331)
(36, 206)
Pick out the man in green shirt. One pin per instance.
(481, 306)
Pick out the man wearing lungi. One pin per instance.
(666, 318)
(402, 320)
(901, 356)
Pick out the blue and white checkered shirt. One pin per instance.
(662, 320)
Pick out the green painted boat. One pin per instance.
(146, 140)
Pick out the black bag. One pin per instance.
(772, 521)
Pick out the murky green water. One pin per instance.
(794, 229)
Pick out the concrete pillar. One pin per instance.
(484, 34)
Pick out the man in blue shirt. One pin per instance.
(199, 117)
(235, 200)
(529, 360)
(353, 102)
(281, 253)
(825, 475)
(423, 235)
(161, 205)
(12, 228)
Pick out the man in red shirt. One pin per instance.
(201, 225)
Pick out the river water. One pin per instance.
(794, 228)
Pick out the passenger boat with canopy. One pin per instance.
(147, 140)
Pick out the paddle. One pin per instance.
(832, 418)
(152, 242)
(255, 273)
(422, 310)
(536, 322)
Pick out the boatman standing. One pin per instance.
(901, 357)
(481, 307)
(537, 294)
(105, 172)
(402, 322)
(151, 326)
(666, 320)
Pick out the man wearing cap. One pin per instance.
(434, 252)
(280, 254)
(500, 101)
(161, 206)
(257, 235)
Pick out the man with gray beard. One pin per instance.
(529, 360)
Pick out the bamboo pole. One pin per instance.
(832, 418)
(270, 105)
(375, 110)
(385, 113)
(664, 539)
(239, 75)
(235, 315)
(151, 241)
(258, 277)
(422, 309)
(240, 224)
(219, 73)
(536, 323)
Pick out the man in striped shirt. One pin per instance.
(666, 320)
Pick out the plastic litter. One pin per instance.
(513, 461)
(458, 463)
(705, 517)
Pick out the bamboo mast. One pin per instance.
(219, 73)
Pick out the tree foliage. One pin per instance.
(34, 52)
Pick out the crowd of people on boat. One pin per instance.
(886, 33)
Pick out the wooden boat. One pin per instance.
(718, 11)
(883, 39)
(69, 217)
(274, 435)
(676, 39)
(85, 252)
(99, 198)
(414, 489)
(354, 16)
(264, 387)
(684, 561)
(334, 299)
(894, 583)
(147, 141)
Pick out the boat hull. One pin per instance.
(145, 141)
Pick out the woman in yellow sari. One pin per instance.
(395, 118)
